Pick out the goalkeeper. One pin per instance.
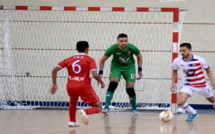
(122, 64)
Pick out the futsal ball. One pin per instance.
(166, 116)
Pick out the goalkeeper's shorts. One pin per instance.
(128, 72)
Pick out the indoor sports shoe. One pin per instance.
(135, 112)
(105, 111)
(181, 111)
(192, 116)
(73, 124)
(85, 118)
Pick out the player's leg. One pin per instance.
(110, 92)
(88, 95)
(129, 76)
(208, 94)
(96, 108)
(212, 100)
(184, 94)
(72, 107)
(115, 75)
(72, 112)
(132, 96)
(182, 102)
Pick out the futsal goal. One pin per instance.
(34, 39)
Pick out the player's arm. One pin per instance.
(98, 78)
(54, 81)
(139, 60)
(136, 51)
(139, 63)
(174, 77)
(210, 76)
(101, 64)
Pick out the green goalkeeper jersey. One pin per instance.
(122, 57)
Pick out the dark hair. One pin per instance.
(122, 35)
(82, 46)
(187, 45)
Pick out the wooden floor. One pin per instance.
(55, 122)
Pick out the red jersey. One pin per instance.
(79, 67)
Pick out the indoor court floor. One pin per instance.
(44, 121)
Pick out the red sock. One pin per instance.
(92, 110)
(72, 111)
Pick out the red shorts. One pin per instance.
(86, 93)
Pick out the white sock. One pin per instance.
(188, 108)
(213, 104)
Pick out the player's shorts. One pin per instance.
(86, 93)
(204, 91)
(128, 72)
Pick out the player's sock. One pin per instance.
(188, 108)
(109, 96)
(132, 97)
(92, 110)
(213, 104)
(72, 111)
(133, 102)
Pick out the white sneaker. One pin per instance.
(181, 111)
(73, 124)
(135, 112)
(85, 118)
(105, 111)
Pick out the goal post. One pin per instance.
(35, 39)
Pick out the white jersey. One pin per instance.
(191, 71)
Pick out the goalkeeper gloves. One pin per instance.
(140, 72)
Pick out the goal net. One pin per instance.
(32, 42)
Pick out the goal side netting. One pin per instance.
(32, 42)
